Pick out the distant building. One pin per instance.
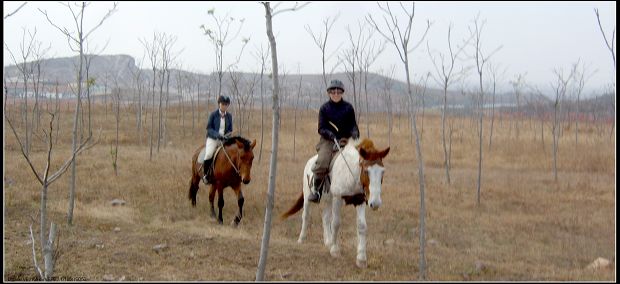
(48, 89)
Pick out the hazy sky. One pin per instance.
(536, 37)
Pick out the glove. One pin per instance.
(332, 136)
(335, 148)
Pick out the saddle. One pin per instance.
(327, 180)
(201, 162)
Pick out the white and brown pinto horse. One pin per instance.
(356, 181)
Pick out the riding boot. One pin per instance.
(207, 170)
(315, 195)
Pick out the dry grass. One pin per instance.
(528, 227)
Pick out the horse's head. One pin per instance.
(371, 175)
(245, 158)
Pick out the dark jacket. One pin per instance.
(340, 114)
(213, 125)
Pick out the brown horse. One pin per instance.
(232, 165)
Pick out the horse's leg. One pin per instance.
(327, 220)
(304, 220)
(194, 185)
(211, 199)
(220, 204)
(336, 204)
(361, 236)
(240, 200)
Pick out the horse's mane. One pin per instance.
(246, 143)
(367, 145)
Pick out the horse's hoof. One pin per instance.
(361, 263)
(335, 252)
(220, 221)
(301, 239)
(234, 224)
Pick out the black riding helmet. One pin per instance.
(224, 100)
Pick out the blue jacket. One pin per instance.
(213, 125)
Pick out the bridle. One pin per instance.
(230, 160)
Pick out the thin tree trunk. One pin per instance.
(75, 137)
(260, 273)
(443, 131)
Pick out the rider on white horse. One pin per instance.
(336, 122)
(219, 127)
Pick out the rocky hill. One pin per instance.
(121, 71)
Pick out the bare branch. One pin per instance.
(62, 30)
(428, 26)
(110, 12)
(21, 147)
(294, 8)
(13, 13)
(34, 255)
(613, 34)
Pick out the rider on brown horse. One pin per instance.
(219, 127)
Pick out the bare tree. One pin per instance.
(420, 93)
(349, 57)
(37, 75)
(495, 77)
(610, 46)
(480, 60)
(295, 108)
(138, 82)
(560, 87)
(443, 77)
(77, 44)
(90, 81)
(45, 179)
(517, 84)
(369, 52)
(581, 78)
(262, 56)
(237, 84)
(26, 48)
(400, 39)
(321, 43)
(220, 36)
(165, 44)
(152, 51)
(269, 14)
(386, 92)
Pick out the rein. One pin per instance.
(345, 160)
(229, 159)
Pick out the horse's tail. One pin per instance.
(194, 182)
(298, 205)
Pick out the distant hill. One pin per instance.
(121, 70)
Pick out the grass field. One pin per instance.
(528, 227)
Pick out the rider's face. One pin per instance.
(335, 94)
(223, 107)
